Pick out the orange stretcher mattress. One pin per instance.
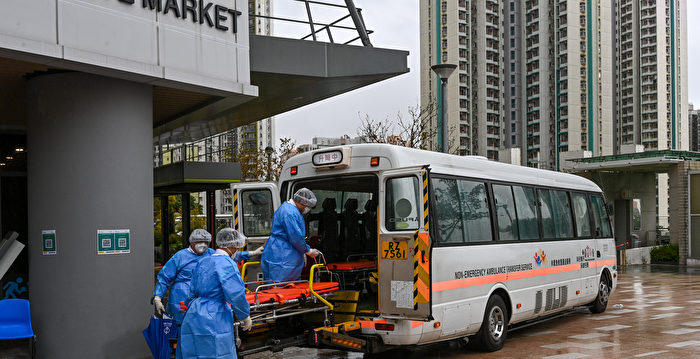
(354, 265)
(290, 291)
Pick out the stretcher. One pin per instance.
(358, 265)
(272, 301)
(355, 273)
(282, 293)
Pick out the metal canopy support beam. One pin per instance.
(164, 228)
(186, 220)
(359, 24)
(211, 215)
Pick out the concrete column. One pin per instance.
(89, 168)
(679, 208)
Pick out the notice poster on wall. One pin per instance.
(113, 241)
(48, 242)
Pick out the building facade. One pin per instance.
(652, 74)
(468, 34)
(254, 136)
(694, 122)
(568, 77)
(535, 75)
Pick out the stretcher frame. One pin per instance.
(270, 311)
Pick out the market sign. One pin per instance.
(195, 45)
(217, 16)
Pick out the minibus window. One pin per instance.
(257, 209)
(583, 224)
(402, 205)
(600, 217)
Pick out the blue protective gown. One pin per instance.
(283, 257)
(178, 270)
(241, 256)
(207, 330)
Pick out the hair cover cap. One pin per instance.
(305, 197)
(229, 237)
(200, 235)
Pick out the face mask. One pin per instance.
(199, 248)
(306, 210)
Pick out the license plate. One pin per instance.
(394, 250)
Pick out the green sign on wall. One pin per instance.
(113, 241)
(48, 242)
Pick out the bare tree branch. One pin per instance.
(374, 131)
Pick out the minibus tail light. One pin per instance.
(384, 326)
(374, 161)
(293, 170)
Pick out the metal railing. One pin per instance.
(316, 28)
(222, 147)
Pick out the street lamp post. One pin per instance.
(268, 152)
(444, 71)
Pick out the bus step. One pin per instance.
(330, 336)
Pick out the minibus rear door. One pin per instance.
(404, 245)
(254, 203)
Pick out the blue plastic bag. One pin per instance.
(157, 334)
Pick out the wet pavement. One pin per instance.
(659, 317)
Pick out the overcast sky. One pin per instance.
(396, 26)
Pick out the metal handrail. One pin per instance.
(245, 266)
(311, 287)
(354, 13)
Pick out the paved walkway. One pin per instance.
(659, 318)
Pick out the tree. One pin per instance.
(175, 228)
(415, 131)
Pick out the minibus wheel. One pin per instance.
(601, 300)
(494, 327)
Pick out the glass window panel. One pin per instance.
(257, 209)
(402, 204)
(695, 194)
(695, 236)
(527, 213)
(600, 217)
(562, 214)
(475, 209)
(448, 211)
(505, 213)
(583, 224)
(546, 211)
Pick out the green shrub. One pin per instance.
(665, 253)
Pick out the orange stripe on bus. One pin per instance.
(416, 324)
(495, 278)
(609, 262)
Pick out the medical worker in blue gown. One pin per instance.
(283, 258)
(216, 290)
(178, 271)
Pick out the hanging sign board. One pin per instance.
(48, 242)
(113, 241)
